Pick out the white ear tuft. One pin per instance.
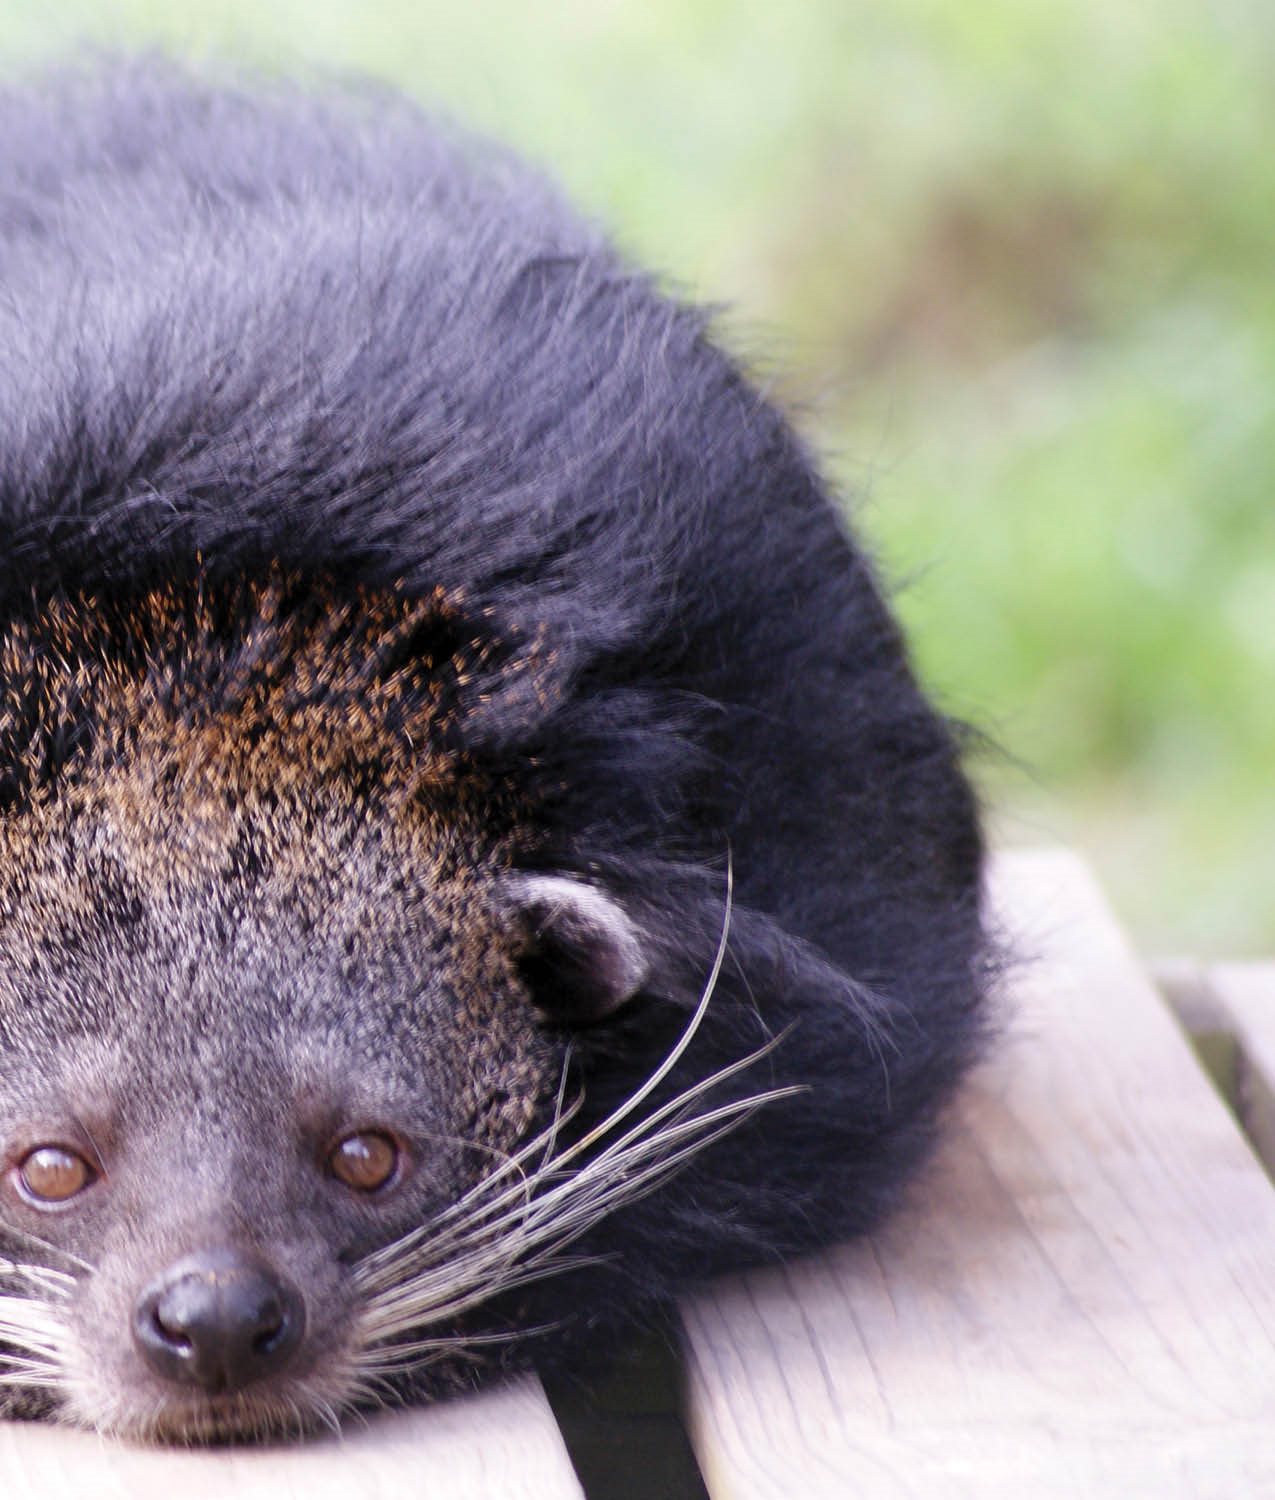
(584, 957)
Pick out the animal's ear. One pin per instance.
(581, 955)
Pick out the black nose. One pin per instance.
(218, 1319)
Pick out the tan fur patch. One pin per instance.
(241, 698)
(269, 727)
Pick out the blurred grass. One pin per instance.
(1020, 252)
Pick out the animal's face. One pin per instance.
(262, 1014)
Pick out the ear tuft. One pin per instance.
(583, 958)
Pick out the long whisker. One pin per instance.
(566, 1199)
(639, 1141)
(516, 1226)
(390, 1254)
(479, 1200)
(41, 1244)
(52, 1283)
(32, 1330)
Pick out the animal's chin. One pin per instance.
(209, 1420)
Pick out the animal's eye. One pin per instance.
(52, 1174)
(365, 1161)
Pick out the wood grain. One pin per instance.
(1080, 1300)
(500, 1446)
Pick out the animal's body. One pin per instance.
(411, 625)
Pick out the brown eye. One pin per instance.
(52, 1174)
(365, 1161)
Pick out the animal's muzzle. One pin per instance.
(218, 1319)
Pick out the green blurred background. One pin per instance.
(1013, 264)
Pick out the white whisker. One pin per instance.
(32, 1331)
(517, 1225)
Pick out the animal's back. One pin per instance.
(248, 332)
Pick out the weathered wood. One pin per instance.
(1079, 1301)
(495, 1447)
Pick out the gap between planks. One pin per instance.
(1228, 1009)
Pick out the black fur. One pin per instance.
(246, 328)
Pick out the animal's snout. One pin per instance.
(219, 1319)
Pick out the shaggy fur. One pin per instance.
(288, 380)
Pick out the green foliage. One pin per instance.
(1021, 251)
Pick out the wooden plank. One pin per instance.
(498, 1446)
(1079, 1300)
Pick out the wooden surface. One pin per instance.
(1081, 1301)
(504, 1444)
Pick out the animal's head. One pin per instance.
(282, 1024)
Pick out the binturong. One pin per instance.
(474, 856)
